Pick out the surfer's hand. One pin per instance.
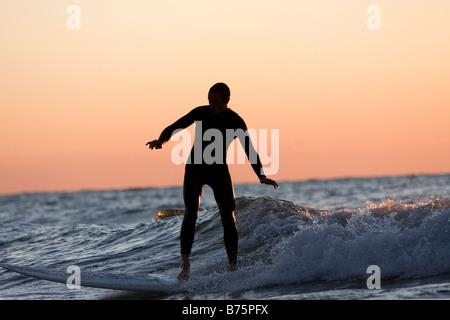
(155, 144)
(269, 181)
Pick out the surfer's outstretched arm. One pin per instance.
(254, 159)
(181, 123)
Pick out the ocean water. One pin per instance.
(307, 240)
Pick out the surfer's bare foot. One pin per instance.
(232, 267)
(184, 274)
(185, 268)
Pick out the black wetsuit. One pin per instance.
(200, 171)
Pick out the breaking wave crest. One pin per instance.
(284, 243)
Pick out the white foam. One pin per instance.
(284, 244)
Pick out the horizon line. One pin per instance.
(80, 190)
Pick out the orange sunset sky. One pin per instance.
(77, 106)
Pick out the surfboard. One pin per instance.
(121, 281)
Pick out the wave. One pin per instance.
(285, 243)
(280, 243)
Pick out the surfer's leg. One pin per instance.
(192, 191)
(230, 235)
(185, 267)
(224, 195)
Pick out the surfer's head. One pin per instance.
(218, 97)
(221, 89)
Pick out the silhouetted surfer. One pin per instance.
(211, 168)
